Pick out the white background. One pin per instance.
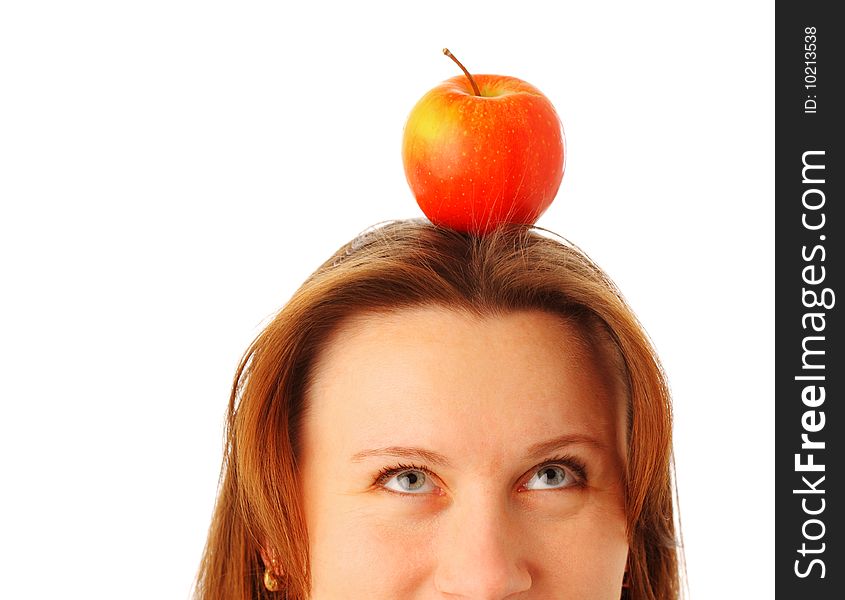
(171, 171)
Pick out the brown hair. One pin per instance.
(411, 263)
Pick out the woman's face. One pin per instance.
(448, 456)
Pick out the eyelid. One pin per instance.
(569, 463)
(388, 473)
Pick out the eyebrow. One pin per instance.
(404, 452)
(534, 451)
(542, 448)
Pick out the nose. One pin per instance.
(479, 554)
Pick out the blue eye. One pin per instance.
(551, 477)
(408, 481)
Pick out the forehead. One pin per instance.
(459, 380)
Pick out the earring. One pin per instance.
(270, 581)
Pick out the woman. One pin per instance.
(440, 415)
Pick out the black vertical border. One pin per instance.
(801, 128)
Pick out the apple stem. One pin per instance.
(471, 80)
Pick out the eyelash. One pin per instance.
(574, 465)
(388, 472)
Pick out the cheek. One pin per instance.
(584, 557)
(358, 553)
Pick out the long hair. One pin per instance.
(404, 264)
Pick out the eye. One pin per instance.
(552, 477)
(407, 480)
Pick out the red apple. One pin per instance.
(483, 150)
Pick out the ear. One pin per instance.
(270, 560)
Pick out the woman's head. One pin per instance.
(437, 415)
